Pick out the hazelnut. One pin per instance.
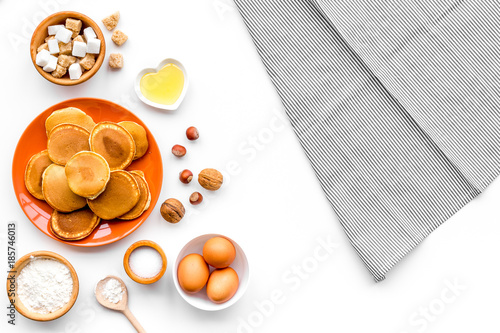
(192, 133)
(196, 198)
(185, 176)
(172, 210)
(178, 150)
(210, 179)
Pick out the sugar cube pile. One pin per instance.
(66, 52)
(118, 37)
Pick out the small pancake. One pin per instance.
(144, 200)
(114, 143)
(69, 116)
(138, 172)
(73, 226)
(88, 174)
(57, 192)
(66, 140)
(120, 196)
(140, 137)
(34, 171)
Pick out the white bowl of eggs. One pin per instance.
(211, 272)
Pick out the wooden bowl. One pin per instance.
(14, 299)
(41, 32)
(136, 277)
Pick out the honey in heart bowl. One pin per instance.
(163, 87)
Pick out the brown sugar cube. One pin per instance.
(65, 48)
(119, 37)
(88, 61)
(49, 38)
(44, 46)
(78, 38)
(65, 60)
(74, 25)
(116, 60)
(111, 21)
(59, 72)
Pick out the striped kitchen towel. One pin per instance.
(396, 104)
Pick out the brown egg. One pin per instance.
(219, 252)
(222, 285)
(192, 273)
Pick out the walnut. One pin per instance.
(172, 210)
(210, 179)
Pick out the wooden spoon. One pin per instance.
(121, 306)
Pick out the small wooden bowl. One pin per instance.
(41, 32)
(131, 273)
(13, 297)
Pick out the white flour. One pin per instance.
(44, 285)
(113, 291)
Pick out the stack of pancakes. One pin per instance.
(82, 175)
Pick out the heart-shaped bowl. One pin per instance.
(170, 107)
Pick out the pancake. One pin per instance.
(140, 137)
(88, 174)
(65, 141)
(144, 199)
(114, 143)
(120, 196)
(33, 174)
(69, 116)
(73, 226)
(138, 172)
(57, 192)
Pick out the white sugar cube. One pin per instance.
(93, 46)
(53, 29)
(64, 35)
(79, 49)
(42, 58)
(75, 71)
(51, 65)
(89, 33)
(53, 46)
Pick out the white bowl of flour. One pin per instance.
(42, 285)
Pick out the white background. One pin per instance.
(271, 203)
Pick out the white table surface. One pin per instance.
(271, 203)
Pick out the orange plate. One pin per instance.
(34, 140)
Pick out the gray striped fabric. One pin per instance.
(395, 104)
